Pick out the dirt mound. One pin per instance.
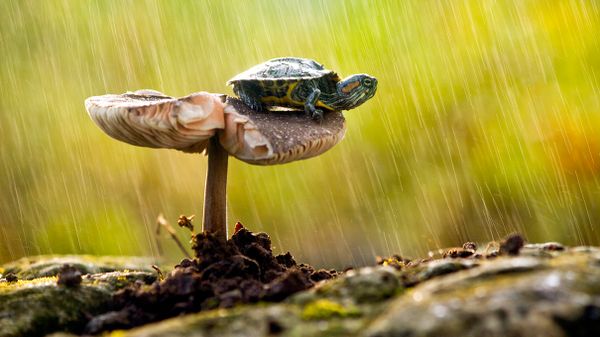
(242, 269)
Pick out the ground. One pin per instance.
(239, 288)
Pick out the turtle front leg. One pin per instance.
(309, 105)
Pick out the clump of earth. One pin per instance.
(242, 269)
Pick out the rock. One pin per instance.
(512, 244)
(31, 267)
(370, 284)
(543, 290)
(69, 276)
(521, 296)
(35, 306)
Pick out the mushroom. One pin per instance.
(219, 126)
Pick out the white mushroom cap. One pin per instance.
(267, 138)
(151, 119)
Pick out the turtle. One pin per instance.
(301, 83)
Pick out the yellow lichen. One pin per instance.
(323, 309)
(117, 333)
(37, 282)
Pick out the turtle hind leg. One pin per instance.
(309, 105)
(249, 95)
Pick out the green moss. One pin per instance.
(34, 308)
(38, 306)
(325, 309)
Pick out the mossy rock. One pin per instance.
(34, 308)
(544, 291)
(31, 267)
(531, 295)
(36, 305)
(251, 321)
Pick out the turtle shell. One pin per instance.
(286, 69)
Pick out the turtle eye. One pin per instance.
(367, 82)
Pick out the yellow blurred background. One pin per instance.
(485, 122)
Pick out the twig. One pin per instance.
(157, 240)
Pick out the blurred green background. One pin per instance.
(485, 122)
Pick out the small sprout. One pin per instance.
(158, 272)
(69, 276)
(186, 222)
(162, 222)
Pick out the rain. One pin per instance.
(484, 123)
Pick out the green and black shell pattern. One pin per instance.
(297, 82)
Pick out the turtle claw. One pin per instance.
(317, 115)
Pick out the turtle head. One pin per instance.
(355, 90)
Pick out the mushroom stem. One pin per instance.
(215, 191)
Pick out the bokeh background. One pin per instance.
(485, 122)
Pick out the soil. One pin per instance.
(69, 276)
(223, 274)
(510, 245)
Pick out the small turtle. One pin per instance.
(297, 82)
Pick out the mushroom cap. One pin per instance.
(267, 138)
(152, 119)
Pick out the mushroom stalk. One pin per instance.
(215, 191)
